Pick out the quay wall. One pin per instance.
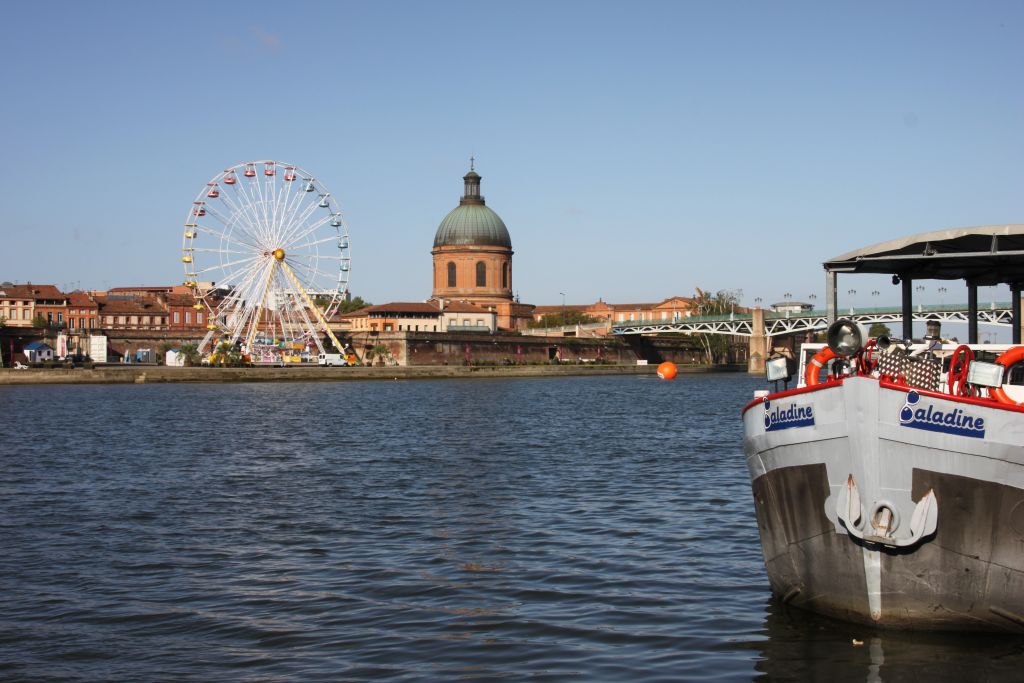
(426, 348)
(155, 374)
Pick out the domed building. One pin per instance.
(473, 258)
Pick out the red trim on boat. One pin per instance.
(983, 402)
(886, 384)
(831, 383)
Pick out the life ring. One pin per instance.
(816, 364)
(1009, 358)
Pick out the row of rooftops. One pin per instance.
(115, 301)
(602, 308)
(431, 307)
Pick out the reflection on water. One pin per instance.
(804, 646)
(584, 529)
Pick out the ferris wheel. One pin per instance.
(267, 255)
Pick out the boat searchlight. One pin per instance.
(846, 338)
(985, 374)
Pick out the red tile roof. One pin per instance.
(31, 292)
(179, 299)
(464, 307)
(426, 308)
(146, 289)
(81, 300)
(141, 305)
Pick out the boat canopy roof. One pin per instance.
(984, 255)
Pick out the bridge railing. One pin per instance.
(817, 313)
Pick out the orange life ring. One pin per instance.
(1009, 358)
(816, 364)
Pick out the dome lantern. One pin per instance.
(471, 195)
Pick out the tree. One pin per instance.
(227, 354)
(725, 301)
(380, 352)
(191, 354)
(40, 321)
(3, 322)
(563, 318)
(879, 329)
(353, 304)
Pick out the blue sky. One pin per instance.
(634, 150)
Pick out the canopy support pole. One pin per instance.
(908, 307)
(972, 313)
(831, 302)
(1015, 306)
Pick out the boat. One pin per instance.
(888, 483)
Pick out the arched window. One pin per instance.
(481, 274)
(504, 275)
(451, 274)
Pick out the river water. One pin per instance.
(542, 529)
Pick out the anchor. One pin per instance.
(884, 521)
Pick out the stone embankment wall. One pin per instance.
(424, 348)
(146, 374)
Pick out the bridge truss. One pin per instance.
(777, 324)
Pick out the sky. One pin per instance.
(636, 151)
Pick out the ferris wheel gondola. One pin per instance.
(268, 260)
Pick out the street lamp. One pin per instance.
(942, 295)
(757, 301)
(563, 307)
(852, 293)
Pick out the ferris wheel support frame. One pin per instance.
(259, 310)
(314, 307)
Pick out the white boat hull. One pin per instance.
(891, 506)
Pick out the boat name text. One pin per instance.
(928, 417)
(783, 417)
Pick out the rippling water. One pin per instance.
(551, 529)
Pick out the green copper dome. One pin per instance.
(472, 222)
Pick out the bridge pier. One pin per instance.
(758, 350)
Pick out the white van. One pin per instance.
(332, 359)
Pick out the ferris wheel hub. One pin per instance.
(279, 254)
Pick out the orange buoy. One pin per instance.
(667, 370)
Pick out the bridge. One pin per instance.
(774, 324)
(759, 325)
(980, 256)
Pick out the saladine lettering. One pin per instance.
(783, 417)
(932, 419)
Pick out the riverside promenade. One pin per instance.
(154, 374)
